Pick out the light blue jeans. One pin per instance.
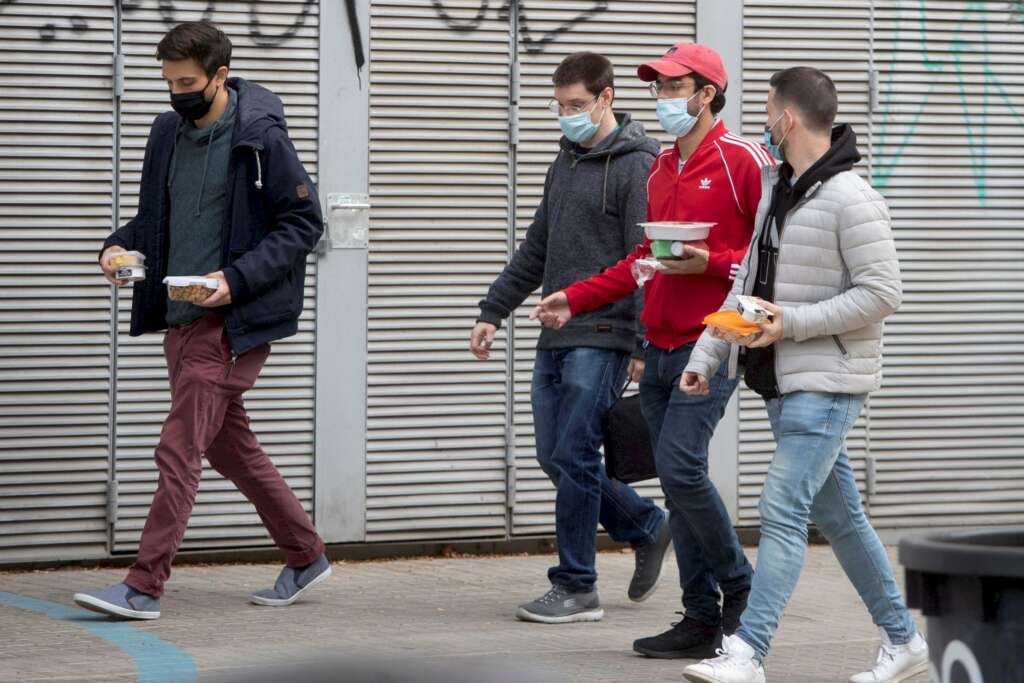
(810, 478)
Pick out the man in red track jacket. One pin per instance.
(708, 175)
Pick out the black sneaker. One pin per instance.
(649, 559)
(733, 605)
(687, 639)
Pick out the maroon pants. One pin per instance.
(208, 417)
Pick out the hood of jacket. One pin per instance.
(841, 156)
(258, 110)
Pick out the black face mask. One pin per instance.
(193, 106)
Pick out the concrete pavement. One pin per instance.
(415, 615)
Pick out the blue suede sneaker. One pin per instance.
(120, 600)
(292, 583)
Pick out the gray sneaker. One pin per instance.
(292, 583)
(120, 600)
(649, 559)
(559, 606)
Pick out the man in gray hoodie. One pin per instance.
(588, 219)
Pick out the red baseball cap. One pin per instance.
(684, 58)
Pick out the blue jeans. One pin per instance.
(707, 549)
(810, 479)
(572, 391)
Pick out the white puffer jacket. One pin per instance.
(837, 279)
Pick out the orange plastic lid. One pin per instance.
(731, 321)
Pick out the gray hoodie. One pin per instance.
(586, 222)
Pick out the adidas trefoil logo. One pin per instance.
(705, 183)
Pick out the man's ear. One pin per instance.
(707, 95)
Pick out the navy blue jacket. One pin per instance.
(272, 223)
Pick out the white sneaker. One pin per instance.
(734, 664)
(896, 663)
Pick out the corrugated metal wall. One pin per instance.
(56, 198)
(947, 429)
(439, 187)
(449, 446)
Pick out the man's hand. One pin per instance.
(481, 339)
(108, 268)
(693, 384)
(553, 311)
(222, 297)
(771, 332)
(635, 371)
(693, 262)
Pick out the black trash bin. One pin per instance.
(970, 587)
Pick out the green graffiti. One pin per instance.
(975, 125)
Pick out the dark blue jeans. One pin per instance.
(572, 391)
(707, 549)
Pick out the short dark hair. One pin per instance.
(700, 82)
(592, 70)
(811, 91)
(198, 40)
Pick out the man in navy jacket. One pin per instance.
(223, 195)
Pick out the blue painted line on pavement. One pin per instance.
(157, 660)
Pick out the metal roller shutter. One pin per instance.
(947, 431)
(439, 176)
(628, 33)
(56, 189)
(834, 37)
(274, 44)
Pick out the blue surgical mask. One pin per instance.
(675, 117)
(774, 149)
(578, 128)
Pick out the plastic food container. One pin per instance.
(128, 258)
(190, 288)
(131, 273)
(732, 327)
(668, 237)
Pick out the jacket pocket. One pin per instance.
(841, 346)
(280, 302)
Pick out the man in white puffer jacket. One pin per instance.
(823, 252)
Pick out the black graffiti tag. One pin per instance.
(461, 25)
(169, 14)
(533, 45)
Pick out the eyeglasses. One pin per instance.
(555, 107)
(673, 85)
